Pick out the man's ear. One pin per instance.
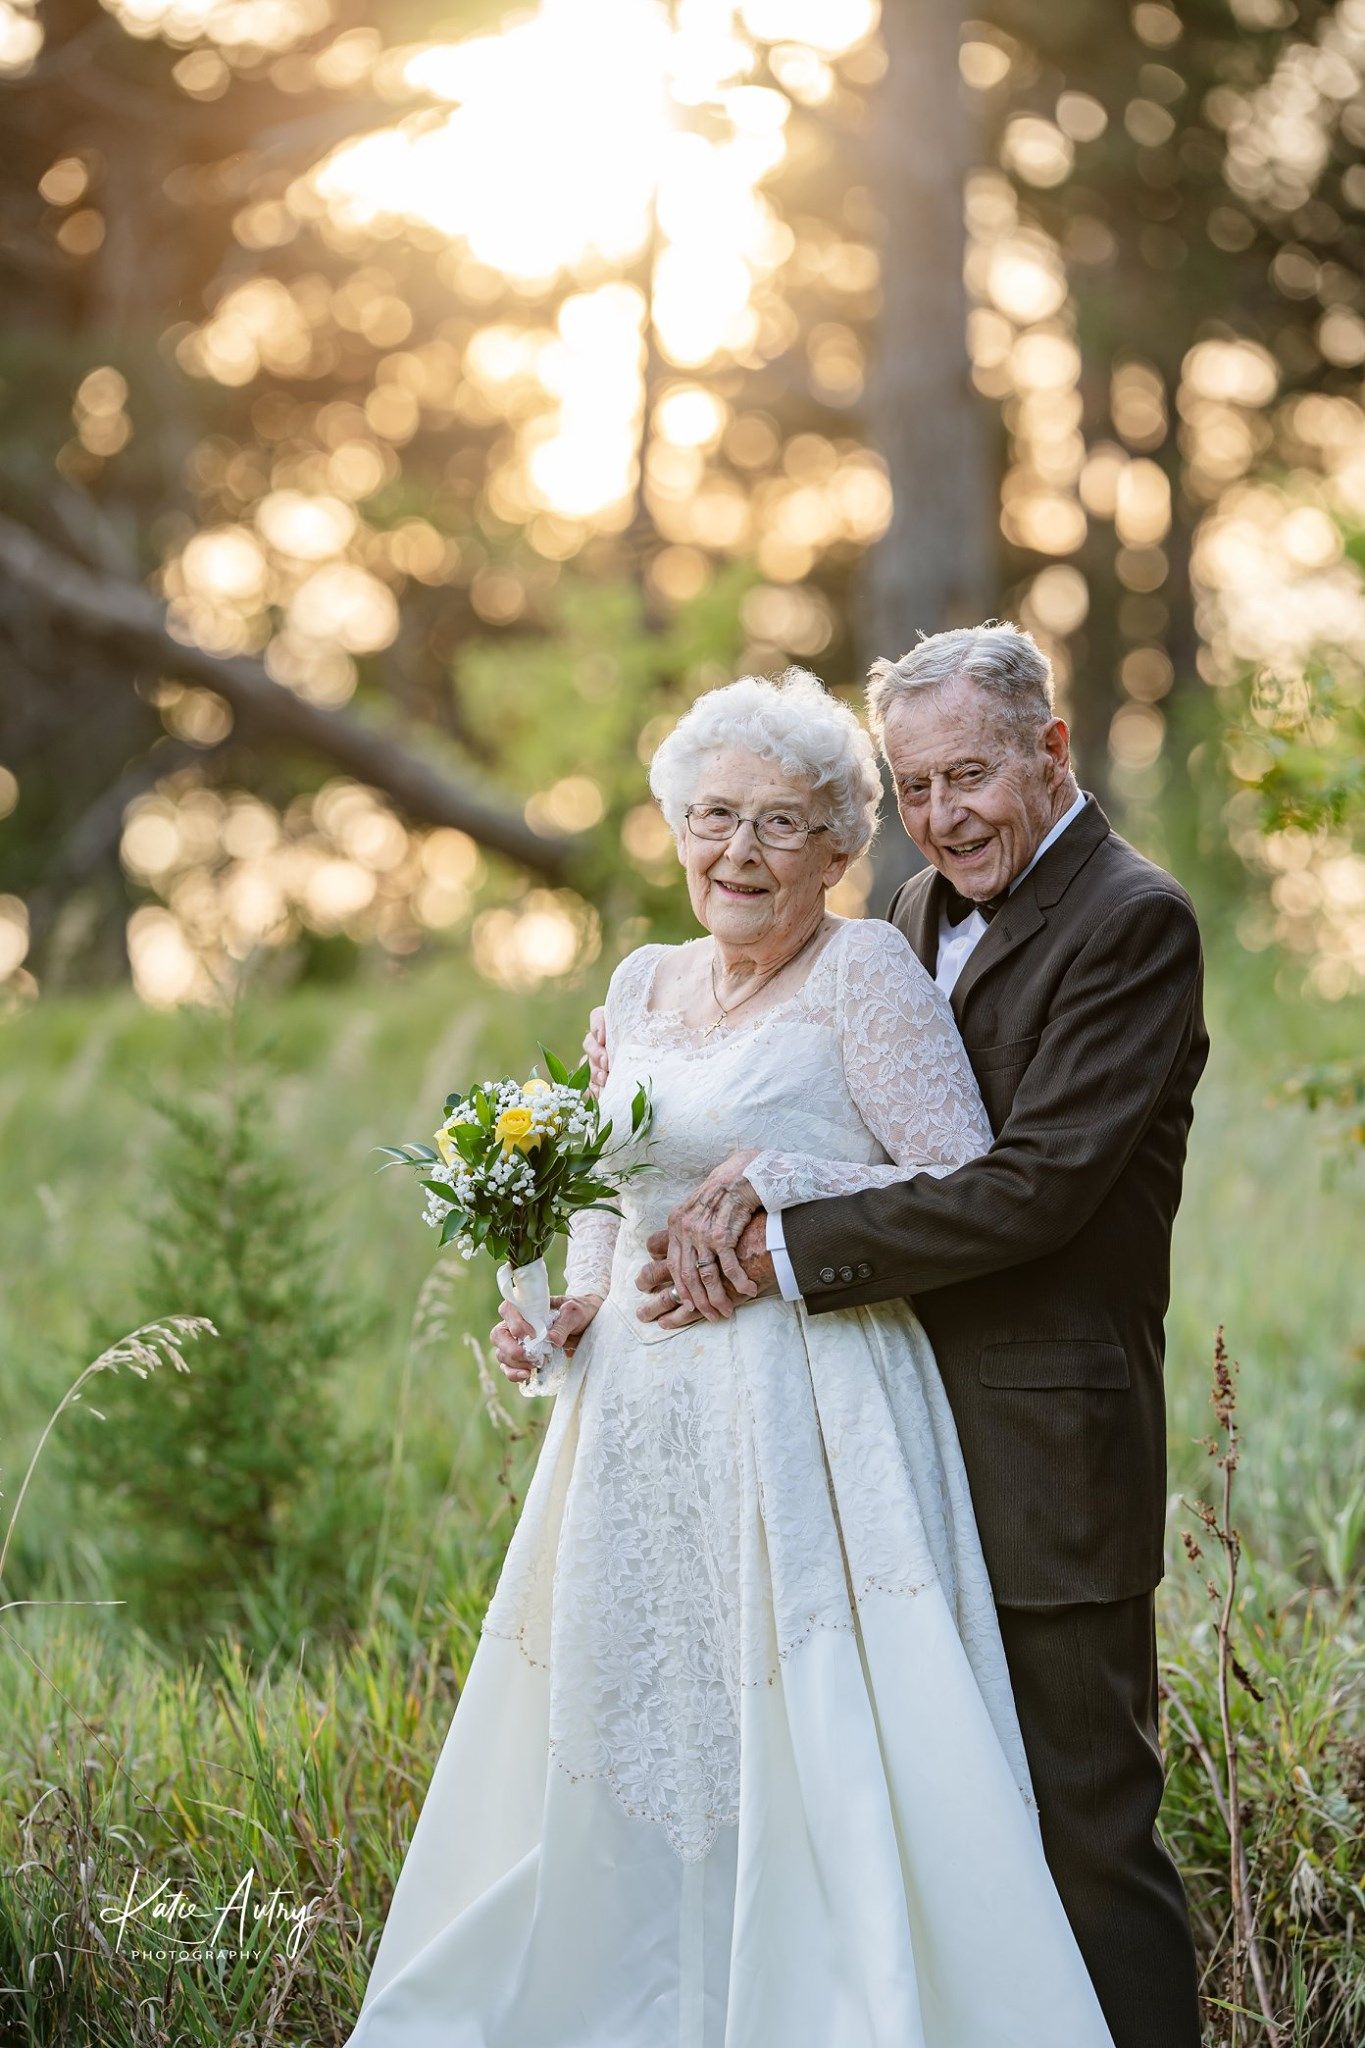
(1055, 741)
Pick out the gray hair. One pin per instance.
(999, 657)
(793, 721)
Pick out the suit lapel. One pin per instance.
(1026, 911)
(1010, 928)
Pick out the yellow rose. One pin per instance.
(447, 1147)
(514, 1129)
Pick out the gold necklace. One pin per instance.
(724, 1013)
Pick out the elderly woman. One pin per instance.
(736, 1763)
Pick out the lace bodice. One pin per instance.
(897, 1098)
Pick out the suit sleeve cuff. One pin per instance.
(782, 1265)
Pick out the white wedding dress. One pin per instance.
(736, 1764)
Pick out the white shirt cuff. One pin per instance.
(782, 1265)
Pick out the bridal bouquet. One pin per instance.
(514, 1161)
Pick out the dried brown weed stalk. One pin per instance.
(1223, 1448)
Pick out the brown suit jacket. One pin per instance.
(1041, 1271)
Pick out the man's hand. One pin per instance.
(508, 1334)
(595, 1050)
(655, 1280)
(702, 1234)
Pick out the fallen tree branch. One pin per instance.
(115, 612)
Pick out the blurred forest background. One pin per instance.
(404, 413)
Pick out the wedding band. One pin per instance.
(676, 1296)
(702, 1264)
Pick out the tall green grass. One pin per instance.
(308, 1762)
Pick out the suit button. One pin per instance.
(845, 1273)
(864, 1272)
(828, 1275)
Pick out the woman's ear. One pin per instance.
(837, 868)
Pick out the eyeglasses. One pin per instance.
(778, 829)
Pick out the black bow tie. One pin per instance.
(959, 907)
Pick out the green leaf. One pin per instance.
(439, 1187)
(406, 1155)
(452, 1225)
(469, 1141)
(554, 1067)
(453, 1102)
(581, 1076)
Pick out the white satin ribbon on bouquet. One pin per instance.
(528, 1287)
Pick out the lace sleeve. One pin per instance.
(592, 1246)
(592, 1232)
(907, 1072)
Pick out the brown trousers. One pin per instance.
(1085, 1685)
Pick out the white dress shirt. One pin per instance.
(956, 942)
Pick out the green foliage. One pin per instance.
(1300, 743)
(589, 695)
(208, 1478)
(1337, 1085)
(221, 1782)
(576, 698)
(1301, 1754)
(1296, 746)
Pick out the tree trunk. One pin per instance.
(936, 564)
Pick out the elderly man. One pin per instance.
(1041, 1270)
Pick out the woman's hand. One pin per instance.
(655, 1282)
(509, 1333)
(595, 1050)
(703, 1233)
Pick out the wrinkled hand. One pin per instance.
(509, 1333)
(702, 1234)
(655, 1280)
(595, 1050)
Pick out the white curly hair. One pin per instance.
(791, 720)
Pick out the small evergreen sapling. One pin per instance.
(204, 1487)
